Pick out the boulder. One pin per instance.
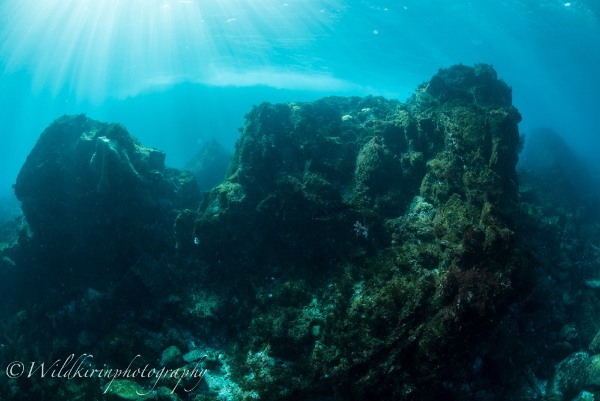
(95, 199)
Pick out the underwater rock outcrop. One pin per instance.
(357, 249)
(95, 200)
(390, 222)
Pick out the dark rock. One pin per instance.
(584, 396)
(171, 357)
(479, 85)
(569, 377)
(593, 372)
(559, 350)
(95, 200)
(594, 346)
(128, 390)
(569, 333)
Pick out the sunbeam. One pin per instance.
(94, 49)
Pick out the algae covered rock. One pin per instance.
(479, 85)
(399, 216)
(584, 396)
(378, 172)
(569, 377)
(594, 346)
(130, 390)
(593, 372)
(171, 357)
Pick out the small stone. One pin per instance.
(194, 355)
(166, 394)
(584, 396)
(594, 346)
(171, 357)
(125, 390)
(594, 284)
(593, 371)
(569, 333)
(570, 375)
(559, 350)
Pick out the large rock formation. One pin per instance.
(358, 249)
(390, 223)
(95, 200)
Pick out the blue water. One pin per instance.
(177, 73)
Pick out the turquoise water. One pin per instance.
(177, 73)
(357, 248)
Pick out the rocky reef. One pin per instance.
(357, 249)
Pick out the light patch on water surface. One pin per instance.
(95, 49)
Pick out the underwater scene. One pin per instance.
(318, 200)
